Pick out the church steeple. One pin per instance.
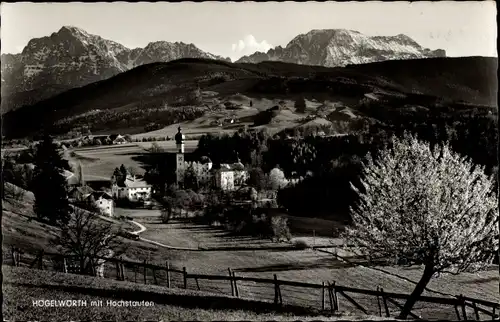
(179, 141)
(180, 165)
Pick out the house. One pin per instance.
(132, 188)
(201, 169)
(102, 201)
(224, 178)
(79, 193)
(241, 175)
(117, 139)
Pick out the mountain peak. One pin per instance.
(341, 47)
(73, 30)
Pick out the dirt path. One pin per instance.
(141, 228)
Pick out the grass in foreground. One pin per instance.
(22, 286)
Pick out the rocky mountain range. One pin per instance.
(340, 47)
(72, 58)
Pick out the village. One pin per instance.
(132, 190)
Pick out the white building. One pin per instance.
(224, 178)
(228, 177)
(132, 189)
(102, 201)
(201, 169)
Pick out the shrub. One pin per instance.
(281, 231)
(301, 244)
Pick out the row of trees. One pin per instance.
(216, 208)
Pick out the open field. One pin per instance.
(22, 286)
(263, 259)
(170, 146)
(100, 162)
(260, 258)
(243, 117)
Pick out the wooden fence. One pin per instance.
(327, 296)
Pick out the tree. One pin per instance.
(191, 180)
(168, 205)
(300, 105)
(257, 178)
(428, 207)
(281, 231)
(49, 184)
(87, 237)
(155, 148)
(277, 179)
(123, 171)
(132, 171)
(194, 97)
(117, 177)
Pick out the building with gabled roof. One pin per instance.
(133, 189)
(102, 201)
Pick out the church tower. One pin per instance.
(179, 156)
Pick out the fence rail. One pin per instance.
(318, 296)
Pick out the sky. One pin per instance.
(237, 29)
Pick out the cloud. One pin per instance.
(250, 45)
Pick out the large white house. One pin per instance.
(227, 177)
(132, 188)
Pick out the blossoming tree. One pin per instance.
(426, 206)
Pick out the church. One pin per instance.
(227, 177)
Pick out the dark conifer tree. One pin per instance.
(49, 184)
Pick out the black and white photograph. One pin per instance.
(250, 161)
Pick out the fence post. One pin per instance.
(378, 302)
(92, 268)
(276, 289)
(387, 314)
(235, 285)
(154, 276)
(185, 277)
(330, 297)
(464, 312)
(65, 265)
(197, 285)
(145, 271)
(168, 274)
(118, 275)
(322, 296)
(40, 263)
(458, 313)
(14, 259)
(122, 270)
(476, 311)
(231, 280)
(334, 296)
